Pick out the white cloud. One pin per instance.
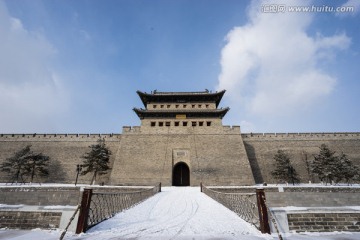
(271, 64)
(30, 90)
(355, 4)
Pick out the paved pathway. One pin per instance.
(176, 213)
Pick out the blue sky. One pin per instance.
(74, 66)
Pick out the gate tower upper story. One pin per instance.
(180, 109)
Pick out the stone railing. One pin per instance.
(99, 206)
(249, 206)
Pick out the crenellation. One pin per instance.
(303, 135)
(34, 137)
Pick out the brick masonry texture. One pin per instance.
(310, 199)
(324, 222)
(40, 196)
(304, 196)
(214, 155)
(322, 204)
(217, 155)
(29, 220)
(66, 149)
(261, 149)
(46, 196)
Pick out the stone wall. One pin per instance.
(217, 155)
(214, 155)
(30, 220)
(64, 150)
(315, 209)
(42, 196)
(45, 207)
(282, 196)
(45, 196)
(311, 199)
(261, 149)
(312, 209)
(324, 222)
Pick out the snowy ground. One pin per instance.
(175, 213)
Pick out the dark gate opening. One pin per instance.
(181, 174)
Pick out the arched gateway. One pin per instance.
(181, 174)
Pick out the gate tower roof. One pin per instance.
(208, 113)
(180, 97)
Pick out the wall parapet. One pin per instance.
(182, 130)
(298, 189)
(27, 136)
(300, 135)
(131, 129)
(234, 128)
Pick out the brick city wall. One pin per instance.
(216, 156)
(29, 220)
(324, 222)
(261, 149)
(65, 152)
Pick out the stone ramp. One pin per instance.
(175, 213)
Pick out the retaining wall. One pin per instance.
(43, 196)
(324, 222)
(30, 220)
(312, 209)
(28, 207)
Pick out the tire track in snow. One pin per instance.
(187, 220)
(171, 220)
